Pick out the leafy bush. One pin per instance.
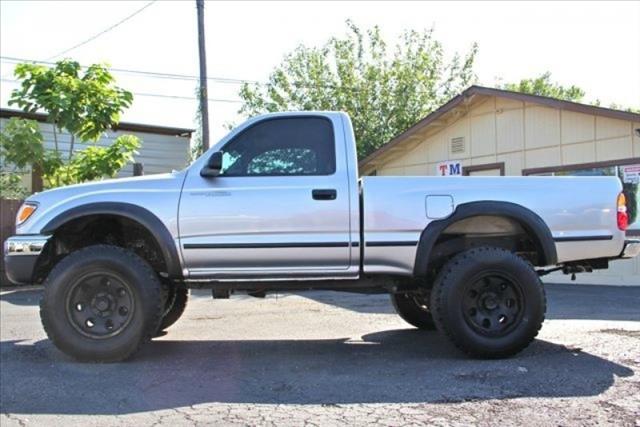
(84, 103)
(98, 162)
(11, 186)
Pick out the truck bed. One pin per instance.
(577, 211)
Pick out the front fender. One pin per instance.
(136, 213)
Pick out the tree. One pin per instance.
(196, 147)
(543, 86)
(21, 145)
(384, 92)
(84, 103)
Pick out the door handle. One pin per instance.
(324, 194)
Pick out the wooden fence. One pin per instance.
(8, 210)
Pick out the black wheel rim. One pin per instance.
(100, 305)
(493, 304)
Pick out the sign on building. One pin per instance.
(449, 168)
(631, 174)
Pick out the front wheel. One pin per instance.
(489, 302)
(101, 303)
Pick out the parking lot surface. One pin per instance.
(322, 358)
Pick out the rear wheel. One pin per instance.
(414, 310)
(489, 302)
(101, 303)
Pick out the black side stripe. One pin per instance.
(266, 245)
(382, 244)
(581, 238)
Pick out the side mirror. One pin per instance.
(213, 167)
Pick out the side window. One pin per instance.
(282, 146)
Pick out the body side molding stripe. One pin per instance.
(399, 243)
(266, 245)
(582, 238)
(292, 245)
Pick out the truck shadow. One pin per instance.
(21, 296)
(402, 366)
(563, 302)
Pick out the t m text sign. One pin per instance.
(448, 168)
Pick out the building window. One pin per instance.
(627, 170)
(489, 169)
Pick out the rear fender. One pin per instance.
(530, 222)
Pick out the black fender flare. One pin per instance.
(530, 221)
(130, 211)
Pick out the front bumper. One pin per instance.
(20, 256)
(631, 248)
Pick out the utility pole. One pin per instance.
(204, 94)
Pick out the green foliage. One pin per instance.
(21, 143)
(11, 186)
(543, 86)
(84, 104)
(615, 106)
(196, 147)
(97, 162)
(385, 91)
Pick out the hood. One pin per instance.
(139, 190)
(141, 183)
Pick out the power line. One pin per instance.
(159, 95)
(14, 60)
(90, 39)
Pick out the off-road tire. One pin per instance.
(65, 280)
(453, 292)
(174, 306)
(414, 310)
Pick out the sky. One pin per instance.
(595, 45)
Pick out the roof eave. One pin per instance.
(123, 126)
(487, 91)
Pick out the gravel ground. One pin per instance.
(323, 358)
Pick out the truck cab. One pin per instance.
(282, 202)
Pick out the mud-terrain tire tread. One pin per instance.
(447, 279)
(152, 289)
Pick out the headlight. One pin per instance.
(24, 213)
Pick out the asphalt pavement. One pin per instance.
(329, 358)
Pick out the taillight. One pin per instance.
(623, 216)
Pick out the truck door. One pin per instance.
(279, 206)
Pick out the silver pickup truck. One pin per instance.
(277, 205)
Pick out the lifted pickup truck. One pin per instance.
(278, 205)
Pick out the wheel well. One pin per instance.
(100, 229)
(486, 230)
